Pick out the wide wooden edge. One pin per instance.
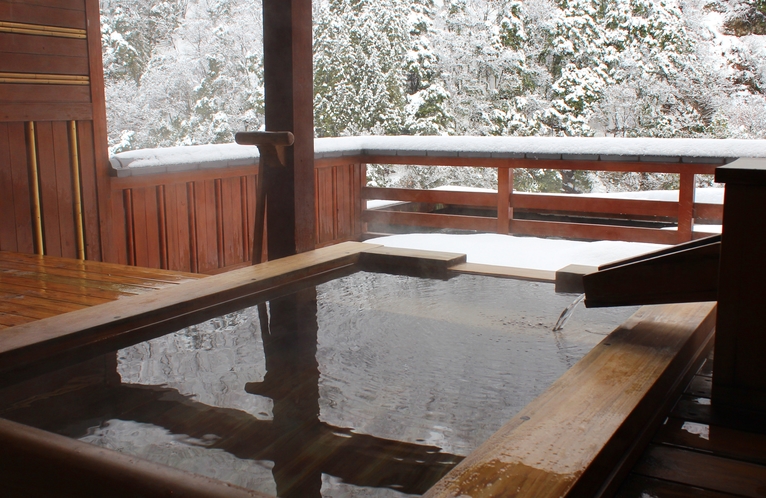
(58, 458)
(572, 440)
(36, 340)
(505, 272)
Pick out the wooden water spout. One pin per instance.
(271, 145)
(683, 273)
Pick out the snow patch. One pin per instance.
(521, 252)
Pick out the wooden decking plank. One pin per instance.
(700, 385)
(570, 441)
(111, 294)
(31, 312)
(10, 320)
(636, 486)
(720, 441)
(99, 267)
(700, 409)
(47, 279)
(703, 470)
(54, 296)
(80, 274)
(17, 304)
(35, 342)
(706, 369)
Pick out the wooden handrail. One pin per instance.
(682, 211)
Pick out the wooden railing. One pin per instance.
(202, 220)
(506, 205)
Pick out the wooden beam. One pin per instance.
(40, 463)
(288, 92)
(739, 379)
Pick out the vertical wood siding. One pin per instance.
(60, 47)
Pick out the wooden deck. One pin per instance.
(700, 452)
(36, 287)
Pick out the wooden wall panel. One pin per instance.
(50, 108)
(152, 229)
(177, 219)
(44, 64)
(232, 226)
(12, 43)
(7, 221)
(21, 194)
(61, 4)
(48, 15)
(86, 148)
(138, 216)
(52, 94)
(344, 191)
(119, 242)
(48, 188)
(70, 111)
(325, 206)
(207, 246)
(64, 187)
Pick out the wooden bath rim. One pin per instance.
(579, 438)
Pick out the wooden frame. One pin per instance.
(597, 414)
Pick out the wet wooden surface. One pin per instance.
(39, 342)
(701, 452)
(572, 440)
(35, 287)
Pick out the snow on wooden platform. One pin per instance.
(520, 252)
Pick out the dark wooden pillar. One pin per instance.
(289, 86)
(739, 372)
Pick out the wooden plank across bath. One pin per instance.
(505, 272)
(35, 343)
(579, 437)
(397, 260)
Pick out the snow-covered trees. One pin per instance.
(184, 72)
(190, 71)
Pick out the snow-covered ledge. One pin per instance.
(674, 150)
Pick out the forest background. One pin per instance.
(189, 72)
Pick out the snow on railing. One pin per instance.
(674, 150)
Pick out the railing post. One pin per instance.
(685, 206)
(504, 189)
(360, 204)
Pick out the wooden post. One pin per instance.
(504, 193)
(288, 88)
(109, 251)
(685, 206)
(739, 372)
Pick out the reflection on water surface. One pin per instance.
(368, 385)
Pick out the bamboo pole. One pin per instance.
(34, 179)
(74, 160)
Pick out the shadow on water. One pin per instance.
(301, 447)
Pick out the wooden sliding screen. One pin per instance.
(53, 155)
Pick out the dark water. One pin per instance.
(368, 385)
